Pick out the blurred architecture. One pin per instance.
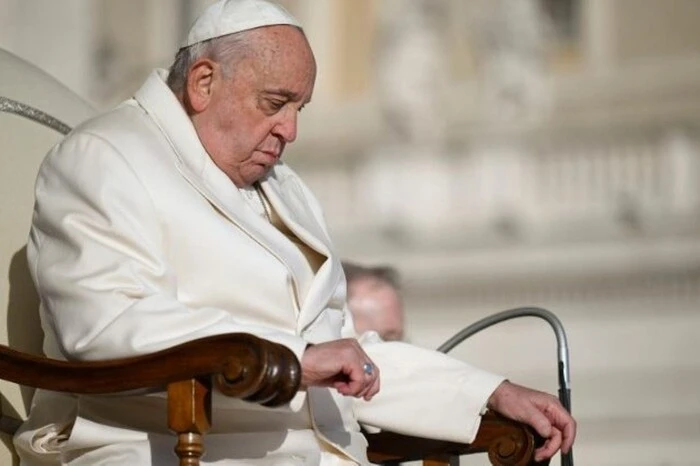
(499, 153)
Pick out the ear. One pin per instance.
(200, 84)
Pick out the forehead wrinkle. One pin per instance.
(269, 42)
(274, 42)
(270, 49)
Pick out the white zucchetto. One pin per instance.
(230, 16)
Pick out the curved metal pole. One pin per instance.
(18, 108)
(562, 349)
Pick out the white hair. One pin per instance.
(227, 51)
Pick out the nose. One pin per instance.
(286, 128)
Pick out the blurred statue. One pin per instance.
(407, 166)
(411, 68)
(511, 39)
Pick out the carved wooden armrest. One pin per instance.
(240, 365)
(506, 442)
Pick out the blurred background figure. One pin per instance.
(498, 153)
(374, 299)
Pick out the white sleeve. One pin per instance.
(425, 393)
(96, 255)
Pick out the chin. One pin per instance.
(258, 175)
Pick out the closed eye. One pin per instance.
(277, 104)
(271, 105)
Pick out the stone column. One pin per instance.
(318, 18)
(598, 22)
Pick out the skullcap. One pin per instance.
(230, 16)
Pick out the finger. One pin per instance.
(348, 388)
(371, 374)
(539, 422)
(370, 381)
(550, 447)
(366, 384)
(364, 393)
(342, 387)
(566, 425)
(563, 421)
(352, 383)
(569, 433)
(356, 387)
(374, 389)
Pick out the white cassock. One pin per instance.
(139, 242)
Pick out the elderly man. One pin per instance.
(172, 218)
(374, 300)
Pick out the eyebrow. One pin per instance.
(293, 96)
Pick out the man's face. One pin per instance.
(376, 306)
(252, 112)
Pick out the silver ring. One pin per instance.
(368, 368)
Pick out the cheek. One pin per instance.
(263, 128)
(243, 130)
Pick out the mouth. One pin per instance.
(275, 155)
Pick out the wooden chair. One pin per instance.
(506, 442)
(239, 365)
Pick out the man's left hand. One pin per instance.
(543, 412)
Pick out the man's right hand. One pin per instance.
(340, 364)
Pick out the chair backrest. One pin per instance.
(23, 144)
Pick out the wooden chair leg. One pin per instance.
(189, 416)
